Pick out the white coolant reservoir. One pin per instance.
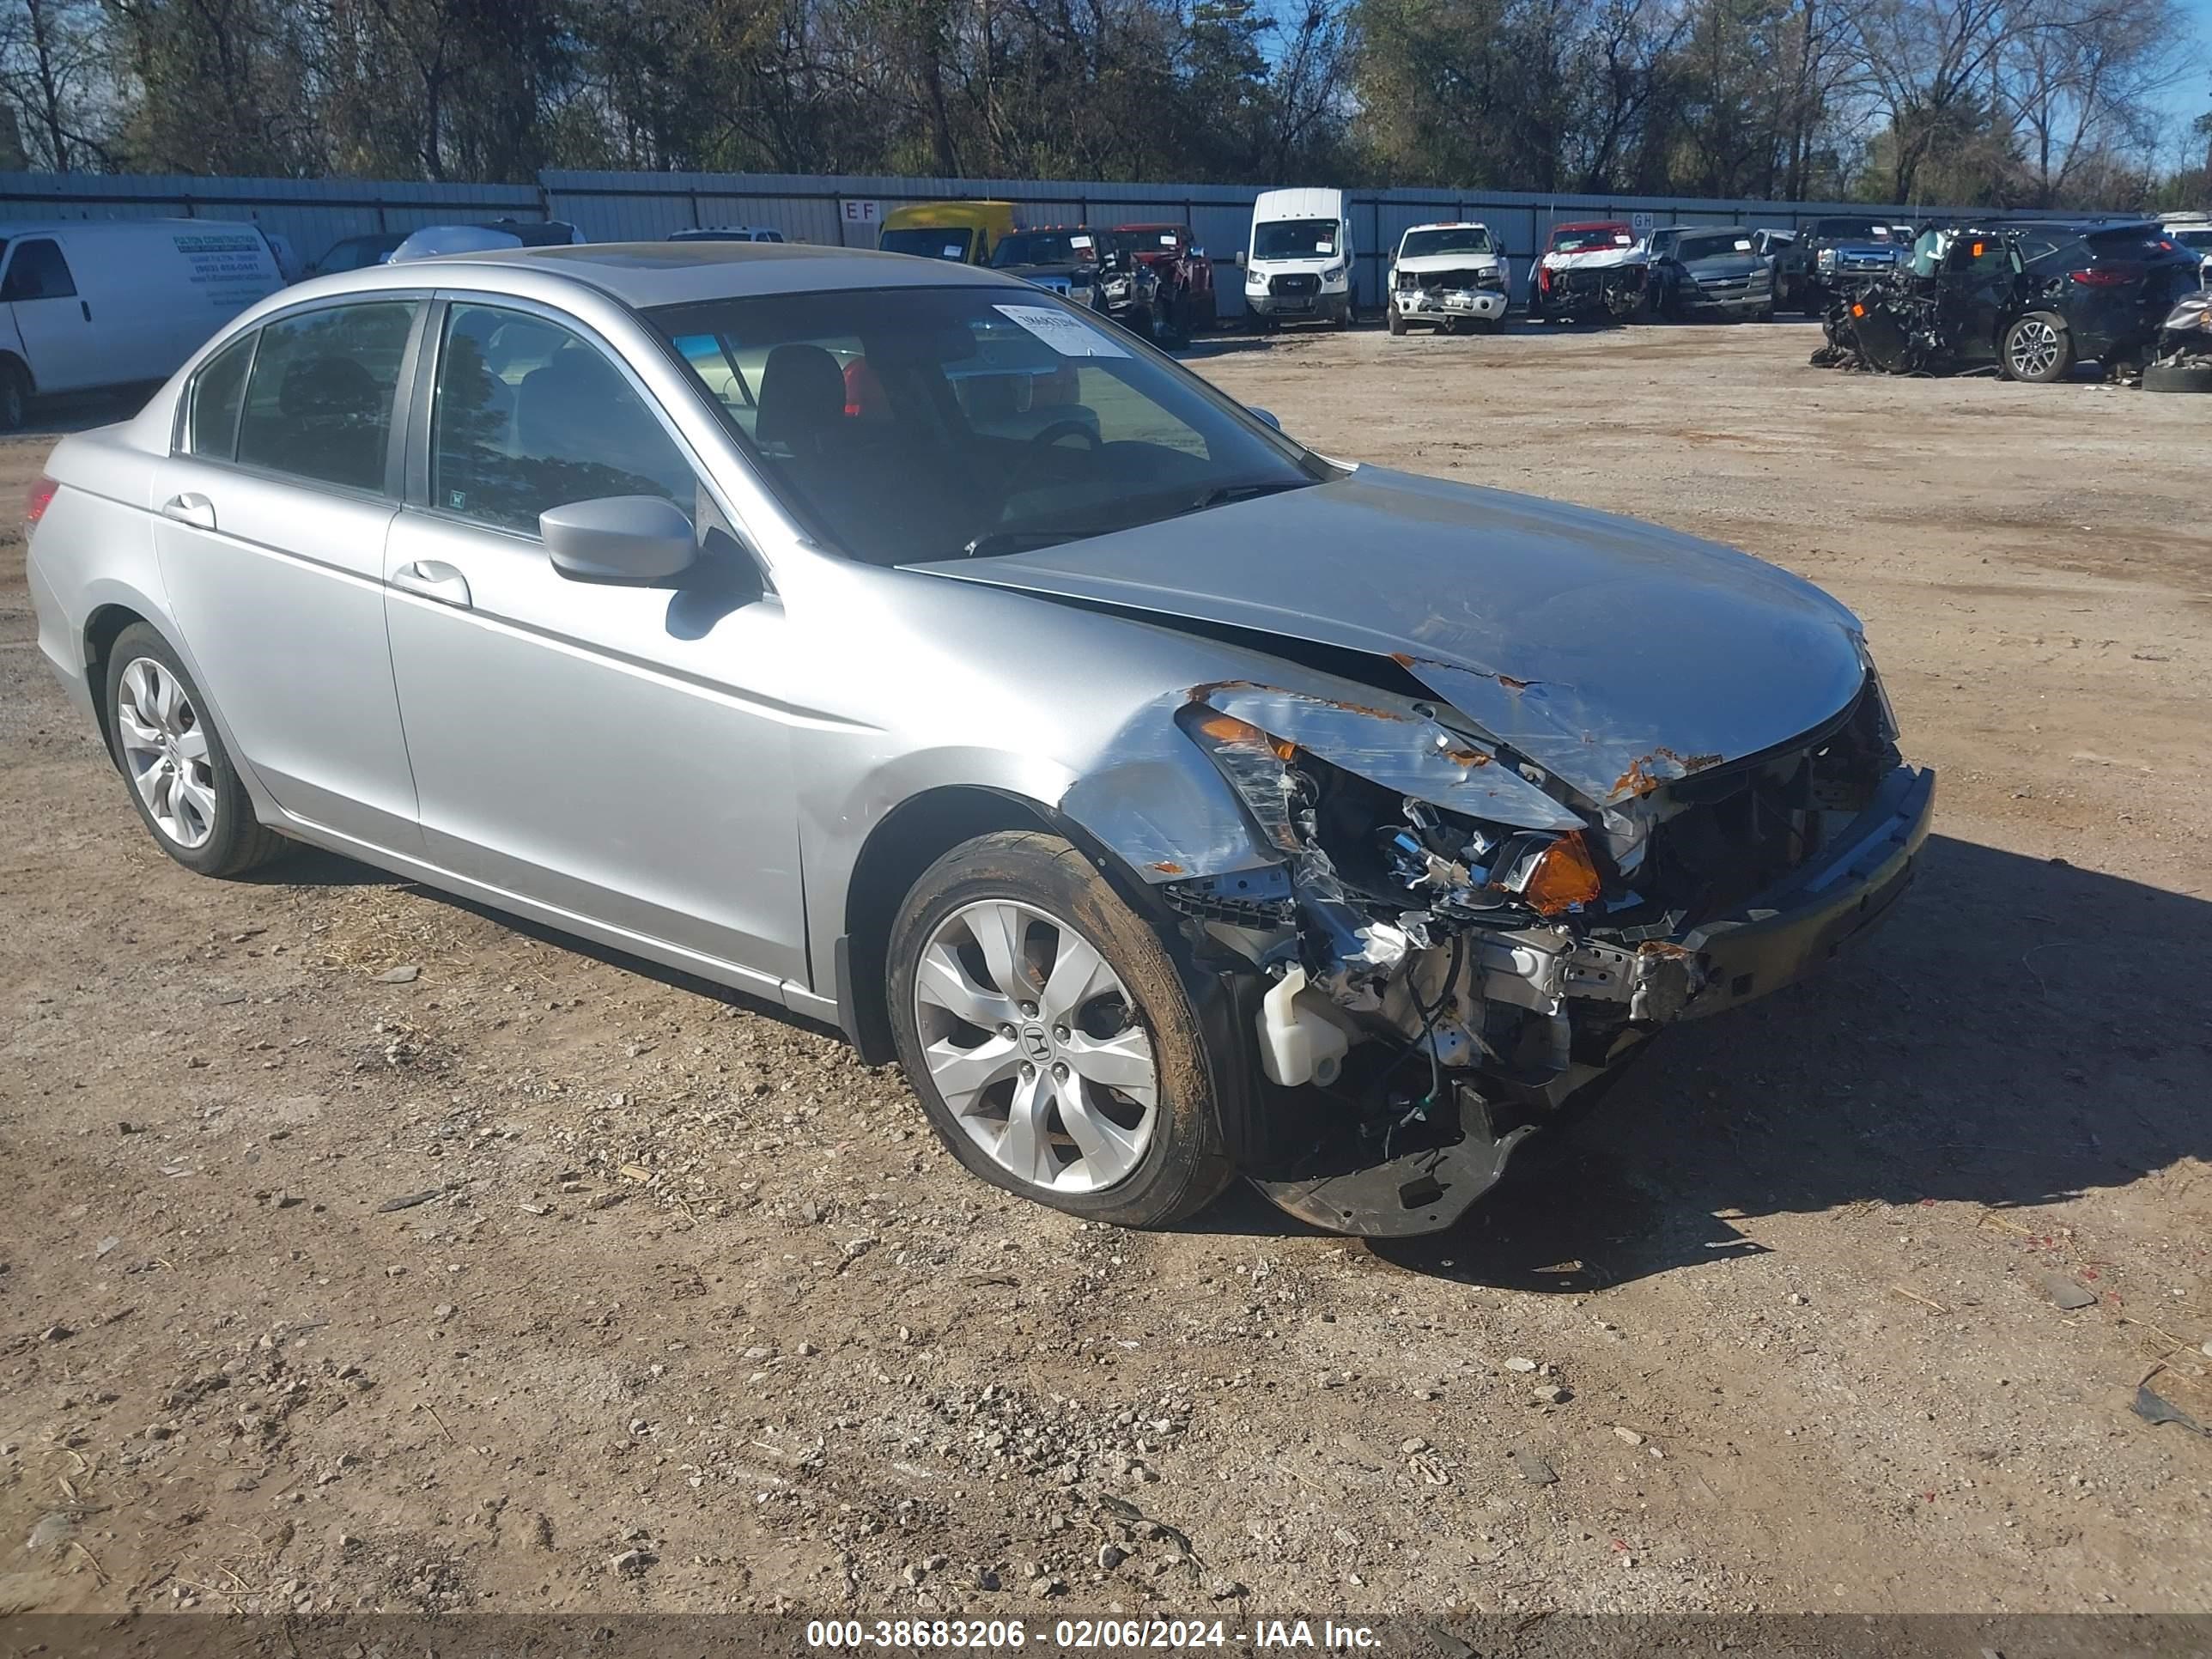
(1300, 1041)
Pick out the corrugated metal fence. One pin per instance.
(312, 214)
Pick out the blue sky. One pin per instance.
(2191, 95)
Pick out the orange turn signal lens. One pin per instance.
(1564, 877)
(1858, 310)
(1227, 728)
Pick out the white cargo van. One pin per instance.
(1300, 265)
(91, 303)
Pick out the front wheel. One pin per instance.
(1395, 317)
(1048, 1033)
(2039, 349)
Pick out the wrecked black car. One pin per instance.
(2184, 359)
(2030, 301)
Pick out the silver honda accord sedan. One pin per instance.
(889, 640)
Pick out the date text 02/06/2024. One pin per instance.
(1081, 1635)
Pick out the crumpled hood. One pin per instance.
(1615, 653)
(1597, 258)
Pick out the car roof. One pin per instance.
(1456, 224)
(1592, 224)
(647, 274)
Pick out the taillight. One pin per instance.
(35, 498)
(2106, 275)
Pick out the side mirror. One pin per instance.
(1265, 414)
(1240, 258)
(629, 540)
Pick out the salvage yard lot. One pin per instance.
(532, 1281)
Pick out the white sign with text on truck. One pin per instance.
(1300, 265)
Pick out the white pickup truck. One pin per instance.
(1447, 274)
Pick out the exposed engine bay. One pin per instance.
(1607, 283)
(1893, 324)
(1442, 979)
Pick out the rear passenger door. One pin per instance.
(600, 750)
(271, 519)
(54, 322)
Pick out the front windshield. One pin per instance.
(907, 424)
(1459, 239)
(941, 242)
(1294, 239)
(1589, 241)
(1046, 247)
(1712, 245)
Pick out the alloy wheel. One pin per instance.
(1035, 1046)
(164, 750)
(2033, 349)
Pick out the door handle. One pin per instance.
(191, 508)
(432, 580)
(85, 306)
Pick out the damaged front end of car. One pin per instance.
(1893, 324)
(1446, 945)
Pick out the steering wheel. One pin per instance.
(1044, 440)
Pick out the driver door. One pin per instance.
(1974, 288)
(610, 752)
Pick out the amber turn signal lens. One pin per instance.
(1227, 728)
(1564, 877)
(1858, 310)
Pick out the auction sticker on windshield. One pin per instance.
(1071, 337)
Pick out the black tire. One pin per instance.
(15, 395)
(1177, 335)
(1395, 317)
(2177, 377)
(238, 841)
(2017, 362)
(1183, 1166)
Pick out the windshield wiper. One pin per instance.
(1222, 496)
(1016, 541)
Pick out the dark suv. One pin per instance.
(2031, 300)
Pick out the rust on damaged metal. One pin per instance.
(1661, 767)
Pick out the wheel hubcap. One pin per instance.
(1035, 1044)
(2034, 350)
(165, 749)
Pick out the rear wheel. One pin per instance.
(1049, 1035)
(182, 781)
(2038, 349)
(2177, 377)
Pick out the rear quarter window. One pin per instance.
(218, 395)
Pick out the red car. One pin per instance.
(1184, 273)
(1596, 268)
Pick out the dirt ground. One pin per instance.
(540, 1282)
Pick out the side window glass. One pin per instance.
(38, 272)
(218, 395)
(529, 415)
(318, 401)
